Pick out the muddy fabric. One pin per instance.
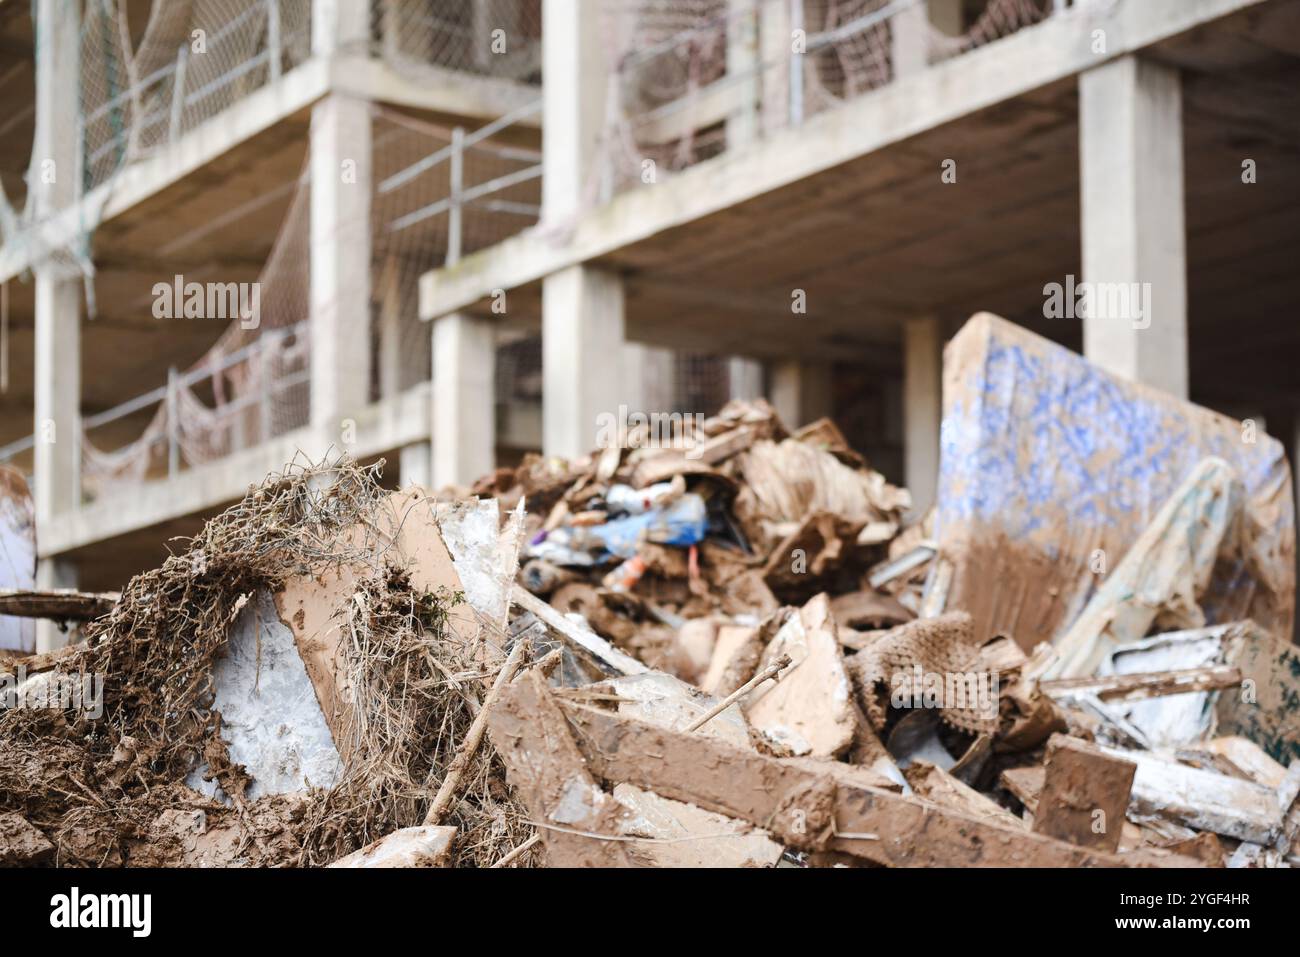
(927, 653)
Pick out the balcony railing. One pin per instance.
(195, 66)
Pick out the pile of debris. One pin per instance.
(661, 546)
(729, 646)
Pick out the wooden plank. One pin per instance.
(61, 604)
(575, 818)
(1151, 684)
(811, 809)
(587, 640)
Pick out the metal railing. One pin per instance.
(157, 109)
(166, 431)
(462, 195)
(770, 65)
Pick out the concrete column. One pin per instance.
(57, 370)
(57, 400)
(742, 71)
(573, 104)
(58, 70)
(415, 465)
(649, 378)
(392, 357)
(1134, 241)
(53, 573)
(745, 377)
(338, 26)
(909, 33)
(583, 375)
(774, 44)
(801, 391)
(340, 263)
(464, 399)
(922, 409)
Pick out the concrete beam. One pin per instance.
(340, 262)
(922, 409)
(1134, 235)
(381, 427)
(454, 94)
(1037, 56)
(438, 90)
(584, 379)
(464, 400)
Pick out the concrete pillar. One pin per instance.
(58, 70)
(415, 465)
(584, 379)
(742, 71)
(745, 378)
(53, 573)
(57, 355)
(464, 399)
(1134, 242)
(573, 105)
(57, 427)
(340, 264)
(339, 26)
(774, 44)
(922, 409)
(392, 357)
(801, 391)
(649, 378)
(909, 33)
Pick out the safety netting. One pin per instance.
(254, 383)
(684, 71)
(492, 38)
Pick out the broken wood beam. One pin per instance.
(578, 822)
(1151, 684)
(810, 809)
(585, 639)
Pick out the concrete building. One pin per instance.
(782, 197)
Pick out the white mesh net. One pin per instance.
(253, 384)
(673, 66)
(496, 38)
